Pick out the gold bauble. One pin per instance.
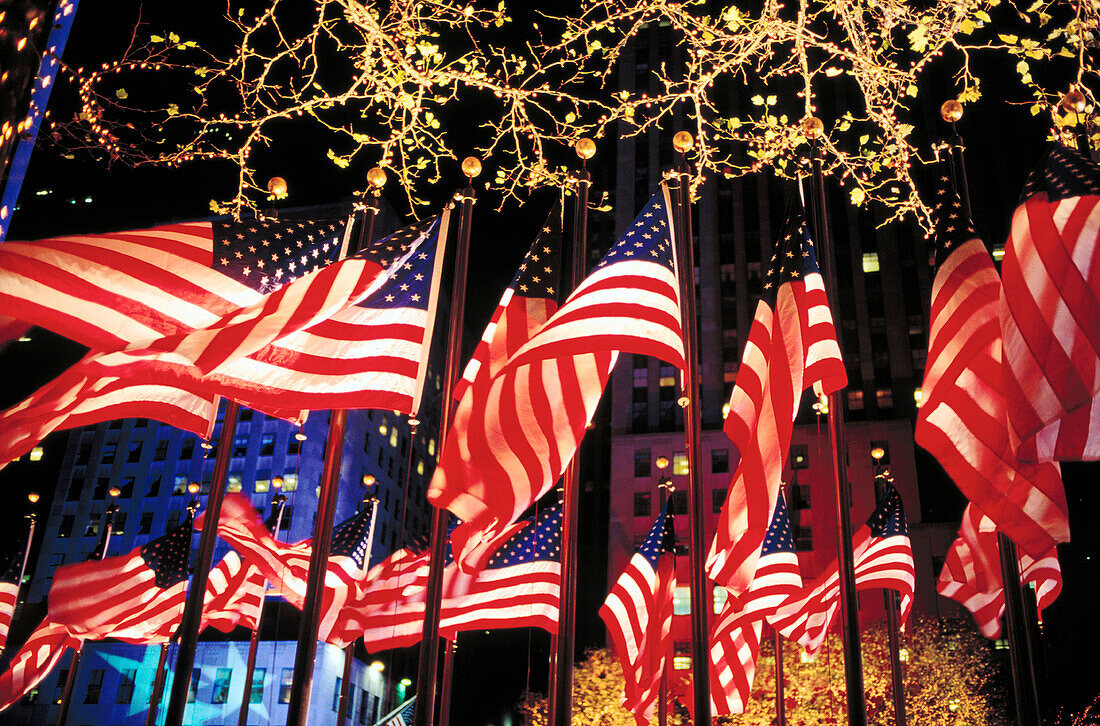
(1074, 100)
(276, 187)
(376, 177)
(585, 147)
(471, 166)
(32, 497)
(812, 127)
(683, 142)
(951, 111)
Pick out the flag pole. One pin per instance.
(428, 665)
(279, 500)
(451, 647)
(98, 553)
(685, 267)
(849, 605)
(33, 497)
(349, 649)
(882, 479)
(561, 695)
(1023, 681)
(664, 488)
(780, 686)
(310, 621)
(158, 687)
(188, 630)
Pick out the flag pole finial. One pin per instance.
(471, 167)
(683, 142)
(376, 177)
(951, 111)
(585, 148)
(276, 187)
(812, 127)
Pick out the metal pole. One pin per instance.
(279, 500)
(345, 685)
(561, 698)
(780, 686)
(685, 262)
(1023, 681)
(849, 605)
(309, 625)
(428, 665)
(158, 687)
(890, 600)
(188, 631)
(448, 670)
(958, 165)
(664, 484)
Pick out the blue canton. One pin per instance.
(1063, 173)
(538, 273)
(661, 537)
(778, 537)
(888, 519)
(266, 254)
(793, 259)
(539, 541)
(953, 226)
(410, 283)
(349, 538)
(168, 556)
(649, 237)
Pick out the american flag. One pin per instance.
(372, 354)
(638, 616)
(137, 597)
(971, 573)
(531, 417)
(286, 566)
(234, 594)
(883, 559)
(791, 346)
(34, 661)
(401, 716)
(390, 610)
(1050, 312)
(10, 578)
(963, 418)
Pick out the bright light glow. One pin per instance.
(999, 253)
(36, 454)
(378, 666)
(406, 682)
(918, 396)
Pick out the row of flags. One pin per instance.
(274, 315)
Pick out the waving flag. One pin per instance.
(971, 573)
(390, 610)
(638, 615)
(883, 559)
(35, 660)
(533, 413)
(136, 597)
(791, 346)
(963, 419)
(1050, 313)
(400, 716)
(10, 578)
(234, 595)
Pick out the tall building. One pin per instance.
(884, 285)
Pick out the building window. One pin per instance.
(102, 484)
(679, 464)
(363, 695)
(642, 504)
(125, 692)
(133, 452)
(285, 684)
(681, 600)
(118, 523)
(92, 528)
(719, 596)
(349, 712)
(222, 677)
(193, 690)
(240, 446)
(127, 489)
(290, 482)
(681, 656)
(803, 538)
(179, 488)
(336, 694)
(870, 262)
(267, 445)
(256, 694)
(95, 686)
(717, 499)
(284, 521)
(233, 483)
(677, 502)
(884, 397)
(855, 400)
(293, 446)
(719, 461)
(187, 449)
(799, 497)
(65, 529)
(641, 463)
(76, 487)
(161, 450)
(154, 487)
(173, 520)
(800, 456)
(145, 524)
(62, 676)
(109, 449)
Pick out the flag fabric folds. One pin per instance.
(971, 573)
(9, 589)
(791, 346)
(963, 418)
(400, 716)
(529, 418)
(137, 597)
(34, 661)
(883, 559)
(1050, 312)
(638, 616)
(234, 595)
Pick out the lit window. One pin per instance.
(681, 600)
(679, 464)
(720, 595)
(884, 397)
(222, 677)
(641, 504)
(800, 456)
(681, 658)
(285, 685)
(290, 482)
(999, 252)
(36, 453)
(420, 467)
(431, 447)
(918, 396)
(256, 694)
(870, 261)
(233, 483)
(855, 400)
(262, 485)
(393, 437)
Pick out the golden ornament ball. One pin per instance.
(812, 127)
(951, 111)
(376, 177)
(586, 148)
(32, 497)
(471, 166)
(683, 142)
(276, 187)
(1074, 100)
